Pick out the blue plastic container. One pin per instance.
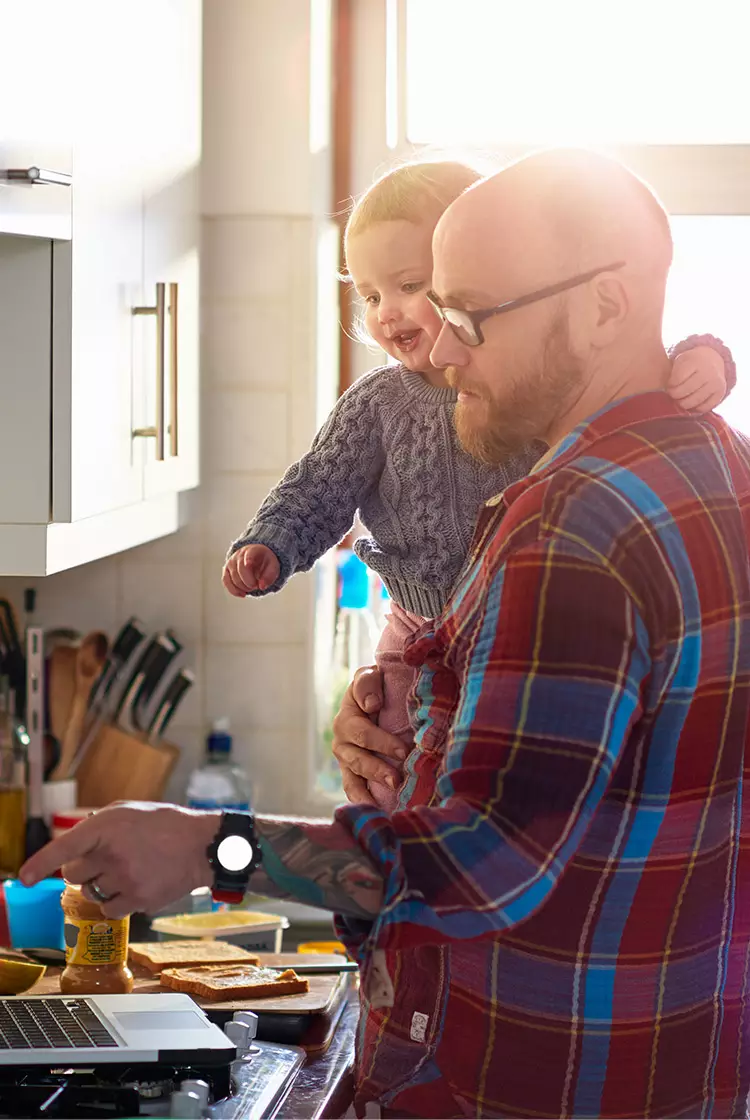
(35, 916)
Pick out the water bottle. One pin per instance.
(218, 783)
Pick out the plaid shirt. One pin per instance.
(566, 921)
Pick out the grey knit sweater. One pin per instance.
(388, 450)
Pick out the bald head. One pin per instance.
(560, 212)
(560, 217)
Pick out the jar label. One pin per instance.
(104, 941)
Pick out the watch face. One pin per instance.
(234, 853)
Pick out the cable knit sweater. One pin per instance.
(389, 450)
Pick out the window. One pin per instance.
(664, 84)
(709, 291)
(502, 72)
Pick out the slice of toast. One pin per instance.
(156, 955)
(233, 981)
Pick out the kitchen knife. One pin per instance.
(308, 966)
(14, 662)
(131, 636)
(153, 676)
(169, 703)
(152, 663)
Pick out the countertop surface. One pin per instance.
(324, 1085)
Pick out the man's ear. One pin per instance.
(608, 308)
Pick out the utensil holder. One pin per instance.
(120, 766)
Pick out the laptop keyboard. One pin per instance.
(31, 1024)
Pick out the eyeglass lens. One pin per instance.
(461, 324)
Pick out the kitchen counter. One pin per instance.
(324, 1085)
(323, 1088)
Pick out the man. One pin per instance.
(557, 924)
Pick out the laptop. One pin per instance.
(97, 1030)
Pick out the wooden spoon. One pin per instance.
(62, 688)
(90, 658)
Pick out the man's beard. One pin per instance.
(533, 401)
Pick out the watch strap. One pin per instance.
(231, 886)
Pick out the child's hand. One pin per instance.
(697, 381)
(252, 568)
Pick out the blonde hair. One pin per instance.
(413, 192)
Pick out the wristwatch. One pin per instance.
(233, 854)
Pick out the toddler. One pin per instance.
(389, 450)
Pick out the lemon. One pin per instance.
(18, 976)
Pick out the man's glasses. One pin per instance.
(467, 325)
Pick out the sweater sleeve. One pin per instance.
(693, 340)
(314, 504)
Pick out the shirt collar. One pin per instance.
(619, 414)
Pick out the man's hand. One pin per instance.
(698, 380)
(252, 568)
(142, 855)
(357, 740)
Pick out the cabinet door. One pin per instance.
(171, 151)
(35, 117)
(25, 291)
(98, 278)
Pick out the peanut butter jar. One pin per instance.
(96, 948)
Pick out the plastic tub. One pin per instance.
(245, 928)
(35, 916)
(322, 947)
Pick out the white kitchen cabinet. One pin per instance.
(172, 233)
(35, 117)
(111, 446)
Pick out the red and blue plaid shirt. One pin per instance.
(566, 921)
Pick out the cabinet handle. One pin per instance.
(34, 176)
(173, 369)
(156, 432)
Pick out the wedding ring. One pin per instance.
(97, 891)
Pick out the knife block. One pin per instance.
(119, 766)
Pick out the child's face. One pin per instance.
(391, 266)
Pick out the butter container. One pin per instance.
(250, 929)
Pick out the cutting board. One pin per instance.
(324, 995)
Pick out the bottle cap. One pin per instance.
(248, 1019)
(237, 1033)
(186, 1106)
(200, 1088)
(354, 586)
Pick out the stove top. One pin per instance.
(252, 1088)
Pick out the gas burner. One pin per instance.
(102, 1092)
(254, 1086)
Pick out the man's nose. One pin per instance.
(448, 350)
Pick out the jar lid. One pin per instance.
(69, 818)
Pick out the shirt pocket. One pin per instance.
(402, 1040)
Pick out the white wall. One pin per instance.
(268, 265)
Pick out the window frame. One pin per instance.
(690, 179)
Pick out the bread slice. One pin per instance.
(156, 955)
(233, 981)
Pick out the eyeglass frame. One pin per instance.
(476, 318)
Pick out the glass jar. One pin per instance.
(96, 948)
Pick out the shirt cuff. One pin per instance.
(281, 543)
(690, 343)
